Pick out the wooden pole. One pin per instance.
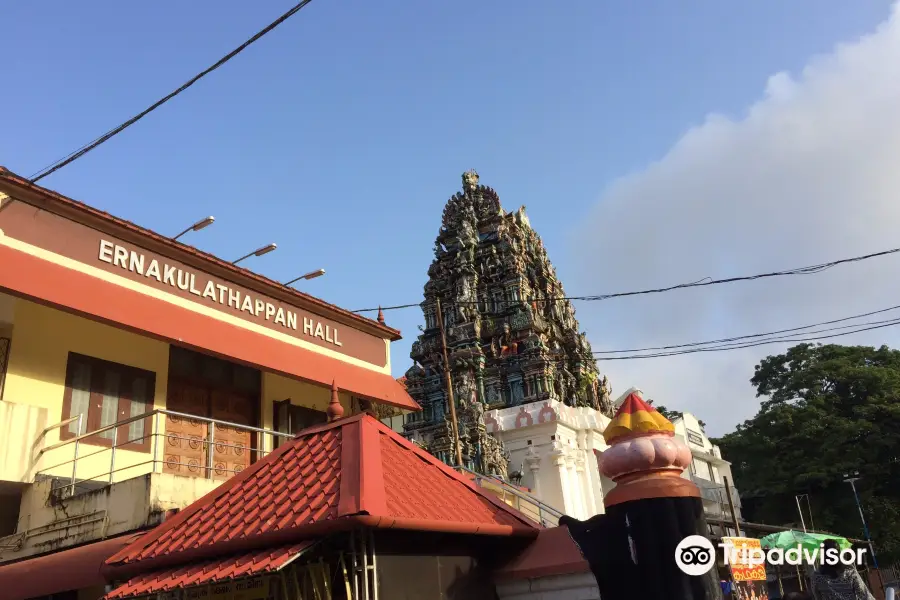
(454, 424)
(737, 526)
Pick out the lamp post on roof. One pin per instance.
(308, 276)
(257, 252)
(201, 224)
(852, 478)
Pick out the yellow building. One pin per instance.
(137, 373)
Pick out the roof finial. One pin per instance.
(470, 180)
(334, 411)
(380, 316)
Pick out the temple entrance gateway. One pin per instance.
(210, 387)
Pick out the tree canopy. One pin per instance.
(827, 412)
(671, 415)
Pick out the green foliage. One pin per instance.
(669, 414)
(674, 414)
(827, 411)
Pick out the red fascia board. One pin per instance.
(314, 530)
(49, 283)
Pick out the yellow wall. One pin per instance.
(42, 339)
(278, 387)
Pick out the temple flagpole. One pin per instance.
(454, 424)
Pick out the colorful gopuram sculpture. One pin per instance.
(512, 337)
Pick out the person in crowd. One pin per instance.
(838, 582)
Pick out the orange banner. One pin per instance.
(742, 549)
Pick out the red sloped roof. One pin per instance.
(554, 552)
(354, 471)
(67, 569)
(209, 571)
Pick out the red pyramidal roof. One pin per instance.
(636, 417)
(634, 403)
(351, 472)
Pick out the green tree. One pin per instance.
(673, 414)
(827, 411)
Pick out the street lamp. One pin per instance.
(201, 224)
(799, 510)
(310, 275)
(852, 478)
(257, 252)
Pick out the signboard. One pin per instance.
(221, 591)
(252, 589)
(197, 593)
(75, 241)
(746, 562)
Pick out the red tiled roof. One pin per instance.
(554, 552)
(22, 183)
(351, 472)
(210, 571)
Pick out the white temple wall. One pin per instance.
(554, 446)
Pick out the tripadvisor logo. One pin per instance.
(695, 555)
(792, 556)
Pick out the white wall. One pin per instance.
(553, 444)
(580, 586)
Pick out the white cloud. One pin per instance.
(810, 174)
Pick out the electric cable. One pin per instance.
(871, 326)
(758, 335)
(701, 283)
(75, 155)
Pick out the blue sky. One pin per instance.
(340, 135)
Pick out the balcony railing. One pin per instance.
(538, 511)
(153, 464)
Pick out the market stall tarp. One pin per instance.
(785, 540)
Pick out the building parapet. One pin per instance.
(548, 411)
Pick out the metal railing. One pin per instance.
(546, 514)
(210, 445)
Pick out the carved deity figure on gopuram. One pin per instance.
(511, 336)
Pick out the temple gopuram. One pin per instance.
(512, 338)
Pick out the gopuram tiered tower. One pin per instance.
(511, 336)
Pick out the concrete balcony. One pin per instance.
(80, 492)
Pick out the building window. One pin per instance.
(106, 393)
(395, 422)
(292, 419)
(700, 468)
(4, 361)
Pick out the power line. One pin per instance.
(870, 326)
(758, 335)
(75, 155)
(810, 270)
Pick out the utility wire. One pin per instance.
(75, 155)
(759, 335)
(702, 283)
(870, 326)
